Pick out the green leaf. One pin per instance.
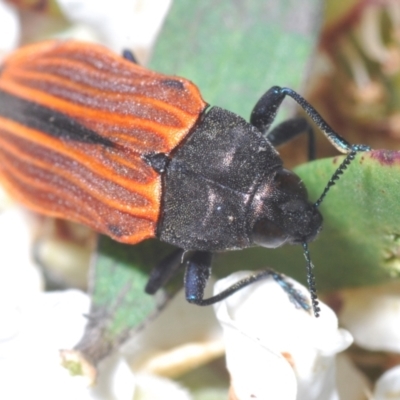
(360, 241)
(119, 305)
(235, 51)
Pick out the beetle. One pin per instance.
(93, 137)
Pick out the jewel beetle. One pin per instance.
(90, 136)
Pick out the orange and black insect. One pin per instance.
(90, 136)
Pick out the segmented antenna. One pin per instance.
(310, 275)
(311, 281)
(342, 167)
(346, 162)
(341, 145)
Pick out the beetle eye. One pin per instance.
(287, 181)
(267, 234)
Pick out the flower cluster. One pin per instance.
(273, 349)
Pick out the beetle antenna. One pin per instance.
(311, 281)
(346, 162)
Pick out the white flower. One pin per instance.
(9, 28)
(120, 24)
(19, 275)
(117, 24)
(351, 383)
(180, 338)
(152, 387)
(31, 336)
(275, 350)
(388, 385)
(372, 315)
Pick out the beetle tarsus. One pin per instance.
(295, 296)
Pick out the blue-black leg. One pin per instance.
(128, 55)
(266, 108)
(164, 271)
(198, 271)
(287, 130)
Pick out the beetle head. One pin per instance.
(282, 213)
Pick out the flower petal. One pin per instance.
(168, 348)
(120, 24)
(10, 27)
(270, 341)
(388, 385)
(372, 316)
(31, 335)
(19, 275)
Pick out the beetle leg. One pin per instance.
(291, 128)
(128, 55)
(163, 271)
(198, 271)
(264, 112)
(266, 108)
